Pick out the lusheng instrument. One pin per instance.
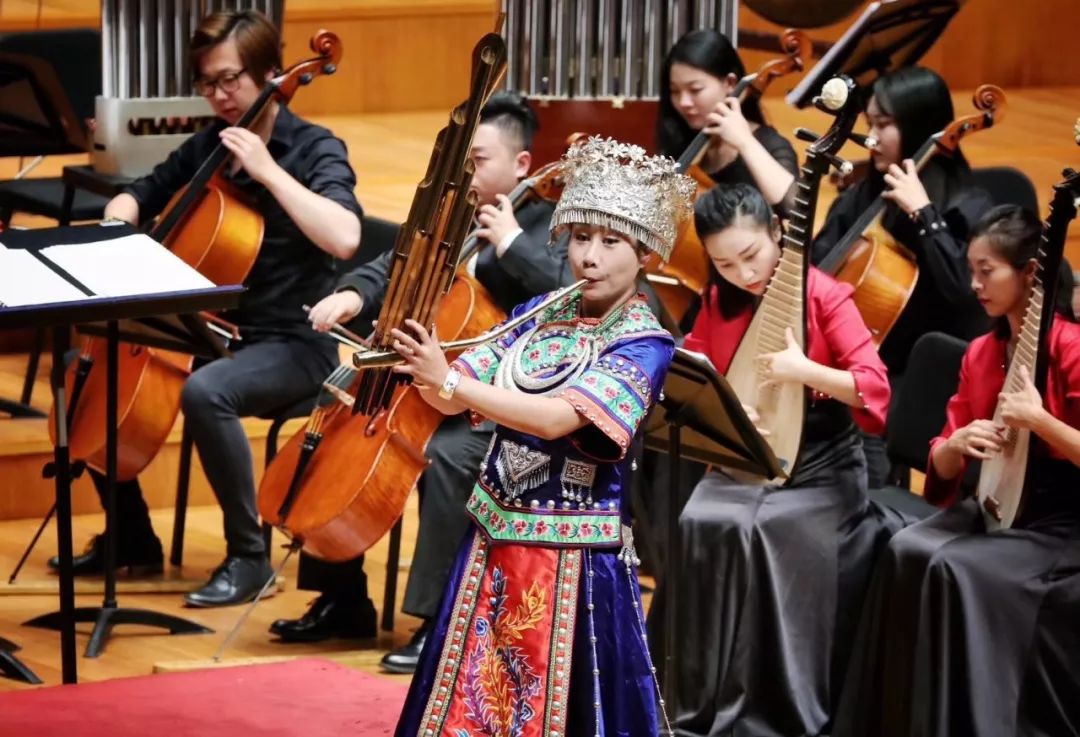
(341, 436)
(211, 229)
(882, 271)
(782, 407)
(367, 359)
(679, 281)
(1002, 479)
(339, 501)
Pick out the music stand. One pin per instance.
(888, 35)
(61, 316)
(698, 418)
(178, 333)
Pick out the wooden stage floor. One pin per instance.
(389, 153)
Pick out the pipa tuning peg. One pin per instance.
(843, 166)
(867, 142)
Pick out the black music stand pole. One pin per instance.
(674, 422)
(62, 460)
(109, 614)
(699, 418)
(65, 619)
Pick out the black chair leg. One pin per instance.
(176, 556)
(66, 205)
(272, 440)
(271, 451)
(393, 556)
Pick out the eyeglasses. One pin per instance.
(228, 82)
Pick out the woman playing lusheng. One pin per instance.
(696, 82)
(773, 576)
(969, 633)
(541, 630)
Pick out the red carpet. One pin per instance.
(300, 698)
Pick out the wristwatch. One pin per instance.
(446, 391)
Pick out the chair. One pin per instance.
(1007, 186)
(378, 235)
(302, 408)
(918, 414)
(50, 80)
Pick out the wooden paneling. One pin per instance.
(399, 56)
(26, 15)
(1004, 42)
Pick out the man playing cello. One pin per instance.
(298, 177)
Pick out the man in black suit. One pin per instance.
(516, 262)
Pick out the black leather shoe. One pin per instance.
(329, 616)
(235, 581)
(145, 559)
(405, 659)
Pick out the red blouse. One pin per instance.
(836, 336)
(982, 376)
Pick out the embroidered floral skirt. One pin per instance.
(534, 642)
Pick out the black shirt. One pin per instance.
(290, 270)
(778, 147)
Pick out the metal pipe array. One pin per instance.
(601, 48)
(144, 43)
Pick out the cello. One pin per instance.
(678, 282)
(210, 227)
(338, 486)
(881, 269)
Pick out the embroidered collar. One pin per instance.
(633, 319)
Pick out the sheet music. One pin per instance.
(24, 280)
(132, 264)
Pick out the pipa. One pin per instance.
(782, 407)
(1002, 479)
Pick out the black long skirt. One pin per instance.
(970, 633)
(772, 581)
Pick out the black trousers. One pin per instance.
(260, 378)
(346, 581)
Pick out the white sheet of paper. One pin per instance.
(133, 264)
(24, 280)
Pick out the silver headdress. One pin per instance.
(616, 185)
